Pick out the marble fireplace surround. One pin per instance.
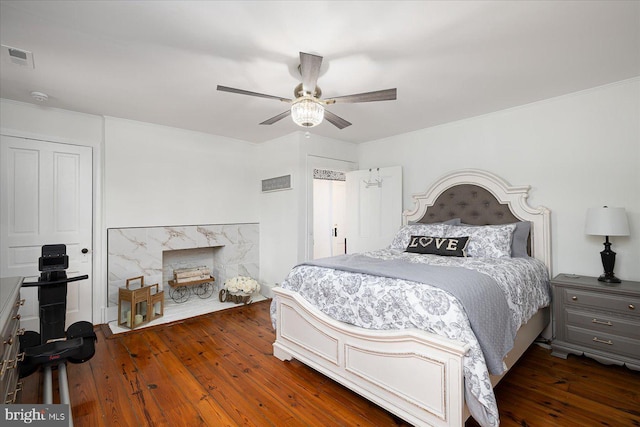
(139, 251)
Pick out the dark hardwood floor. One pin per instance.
(218, 369)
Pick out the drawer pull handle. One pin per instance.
(632, 307)
(600, 322)
(608, 342)
(574, 298)
(8, 364)
(9, 341)
(12, 396)
(17, 317)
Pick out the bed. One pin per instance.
(425, 378)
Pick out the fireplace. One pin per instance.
(154, 252)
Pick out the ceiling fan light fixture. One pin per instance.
(307, 109)
(307, 112)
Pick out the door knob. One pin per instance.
(84, 250)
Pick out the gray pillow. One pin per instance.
(520, 237)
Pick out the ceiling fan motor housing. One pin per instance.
(299, 91)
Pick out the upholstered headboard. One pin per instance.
(472, 204)
(480, 198)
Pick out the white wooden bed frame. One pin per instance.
(414, 374)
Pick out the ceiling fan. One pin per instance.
(307, 109)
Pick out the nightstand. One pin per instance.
(599, 320)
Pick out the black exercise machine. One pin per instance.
(52, 346)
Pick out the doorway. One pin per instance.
(329, 213)
(326, 208)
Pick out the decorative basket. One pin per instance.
(234, 297)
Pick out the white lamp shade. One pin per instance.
(607, 222)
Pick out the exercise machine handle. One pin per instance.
(55, 282)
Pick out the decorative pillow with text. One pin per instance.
(445, 246)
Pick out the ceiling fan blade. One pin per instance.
(310, 70)
(378, 95)
(246, 92)
(274, 119)
(337, 121)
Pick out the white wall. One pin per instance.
(576, 151)
(279, 210)
(283, 214)
(158, 175)
(51, 124)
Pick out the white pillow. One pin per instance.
(487, 241)
(401, 240)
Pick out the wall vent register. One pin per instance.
(277, 183)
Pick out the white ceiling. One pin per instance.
(160, 61)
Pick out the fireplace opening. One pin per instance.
(209, 257)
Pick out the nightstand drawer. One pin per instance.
(604, 342)
(620, 304)
(604, 323)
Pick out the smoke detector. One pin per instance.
(39, 96)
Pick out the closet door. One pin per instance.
(46, 198)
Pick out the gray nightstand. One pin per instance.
(597, 319)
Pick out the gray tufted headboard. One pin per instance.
(481, 198)
(472, 204)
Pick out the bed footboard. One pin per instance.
(416, 375)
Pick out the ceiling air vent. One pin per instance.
(276, 184)
(18, 56)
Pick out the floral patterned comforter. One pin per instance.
(375, 302)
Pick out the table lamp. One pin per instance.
(607, 222)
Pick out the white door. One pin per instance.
(374, 208)
(46, 198)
